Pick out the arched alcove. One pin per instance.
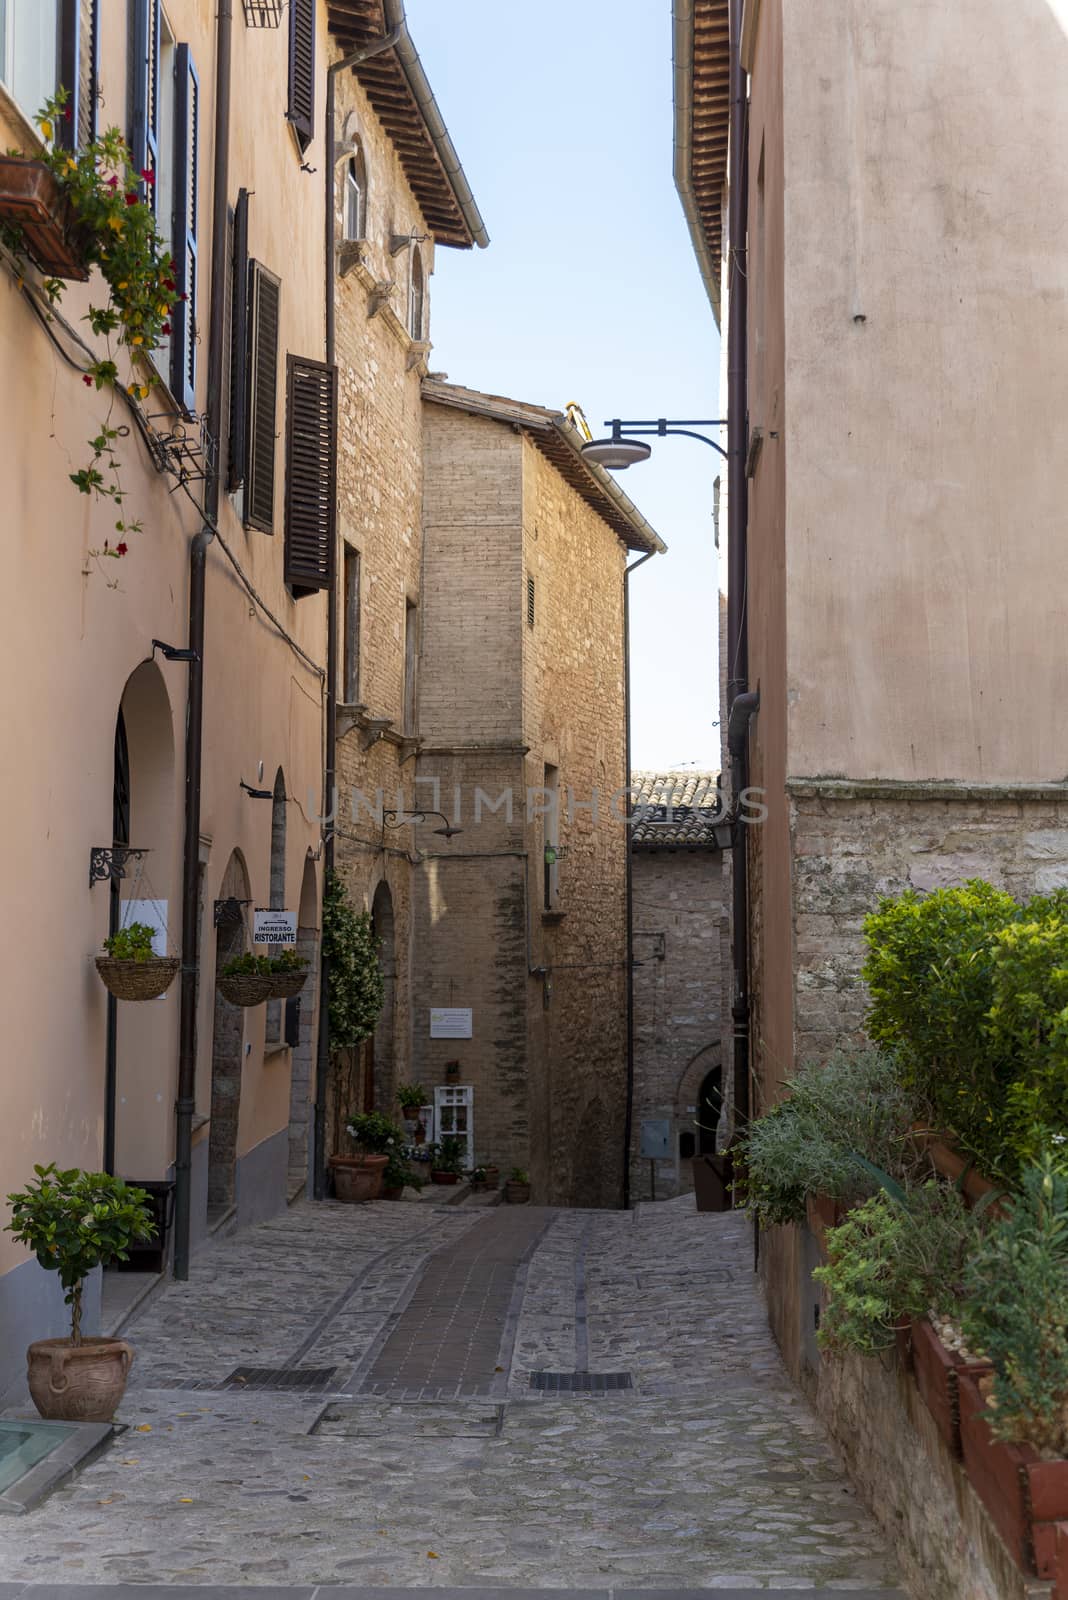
(227, 1050)
(277, 888)
(300, 1030)
(379, 1067)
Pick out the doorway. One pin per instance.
(227, 1050)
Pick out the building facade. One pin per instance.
(679, 928)
(899, 394)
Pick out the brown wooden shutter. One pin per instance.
(311, 474)
(239, 344)
(262, 398)
(301, 112)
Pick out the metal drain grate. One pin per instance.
(307, 1380)
(564, 1382)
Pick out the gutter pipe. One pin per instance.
(194, 725)
(737, 554)
(628, 1119)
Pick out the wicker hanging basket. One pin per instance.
(138, 980)
(287, 985)
(246, 988)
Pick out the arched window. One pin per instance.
(416, 296)
(356, 195)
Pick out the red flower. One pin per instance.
(121, 549)
(169, 283)
(183, 297)
(67, 113)
(87, 380)
(113, 182)
(131, 199)
(149, 176)
(166, 328)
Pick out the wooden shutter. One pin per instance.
(186, 195)
(239, 345)
(144, 67)
(264, 293)
(301, 111)
(79, 70)
(311, 474)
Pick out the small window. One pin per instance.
(411, 661)
(356, 195)
(350, 692)
(416, 296)
(29, 36)
(530, 602)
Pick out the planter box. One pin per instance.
(30, 199)
(949, 1163)
(1027, 1498)
(937, 1372)
(823, 1213)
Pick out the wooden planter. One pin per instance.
(822, 1213)
(1025, 1496)
(493, 1177)
(30, 199)
(516, 1193)
(949, 1163)
(138, 980)
(937, 1372)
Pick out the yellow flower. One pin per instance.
(144, 391)
(116, 223)
(45, 127)
(163, 308)
(72, 165)
(137, 339)
(124, 285)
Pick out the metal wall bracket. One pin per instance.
(107, 862)
(229, 911)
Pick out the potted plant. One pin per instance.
(411, 1098)
(288, 973)
(130, 967)
(493, 1175)
(447, 1160)
(517, 1189)
(356, 990)
(75, 1221)
(359, 1177)
(246, 980)
(398, 1176)
(452, 1072)
(477, 1179)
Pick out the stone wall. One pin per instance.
(678, 947)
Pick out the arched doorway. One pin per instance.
(277, 882)
(379, 1068)
(227, 1048)
(709, 1110)
(300, 1031)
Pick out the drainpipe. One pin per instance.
(194, 725)
(737, 535)
(322, 1045)
(628, 1120)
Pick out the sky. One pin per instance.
(562, 118)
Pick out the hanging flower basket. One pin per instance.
(138, 980)
(287, 985)
(246, 988)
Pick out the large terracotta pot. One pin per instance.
(358, 1178)
(1027, 1497)
(78, 1382)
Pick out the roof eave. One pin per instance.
(683, 73)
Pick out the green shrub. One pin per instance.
(133, 943)
(855, 1104)
(374, 1133)
(1028, 1026)
(895, 1259)
(287, 961)
(1016, 1310)
(354, 977)
(448, 1156)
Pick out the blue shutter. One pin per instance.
(144, 136)
(186, 186)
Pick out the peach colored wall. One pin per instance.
(71, 643)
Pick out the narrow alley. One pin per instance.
(513, 1397)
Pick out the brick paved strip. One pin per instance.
(207, 1591)
(448, 1338)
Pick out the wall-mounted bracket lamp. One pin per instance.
(400, 819)
(171, 652)
(257, 794)
(627, 447)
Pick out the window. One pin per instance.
(350, 689)
(29, 36)
(356, 195)
(301, 111)
(454, 1115)
(530, 601)
(411, 664)
(551, 801)
(144, 85)
(261, 404)
(311, 474)
(416, 296)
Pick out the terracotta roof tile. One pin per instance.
(674, 810)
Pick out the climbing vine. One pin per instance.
(355, 977)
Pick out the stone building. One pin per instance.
(899, 345)
(679, 922)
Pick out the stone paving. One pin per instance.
(712, 1473)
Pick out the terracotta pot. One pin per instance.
(516, 1194)
(493, 1177)
(358, 1178)
(937, 1372)
(394, 1192)
(30, 199)
(78, 1383)
(444, 1177)
(1025, 1496)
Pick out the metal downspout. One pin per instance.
(322, 1043)
(737, 535)
(628, 1120)
(194, 726)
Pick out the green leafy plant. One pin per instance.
(518, 1175)
(894, 1260)
(132, 943)
(1016, 1310)
(411, 1096)
(477, 1175)
(374, 1133)
(354, 976)
(398, 1175)
(248, 964)
(287, 961)
(843, 1125)
(448, 1155)
(1028, 1026)
(74, 1221)
(117, 232)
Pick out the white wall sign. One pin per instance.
(450, 1022)
(154, 914)
(274, 927)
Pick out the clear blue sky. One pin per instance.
(589, 291)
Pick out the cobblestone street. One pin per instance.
(418, 1451)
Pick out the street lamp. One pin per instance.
(401, 819)
(625, 448)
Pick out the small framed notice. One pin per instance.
(450, 1022)
(274, 927)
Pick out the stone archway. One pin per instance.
(227, 1050)
(380, 1068)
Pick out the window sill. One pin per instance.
(275, 1048)
(549, 917)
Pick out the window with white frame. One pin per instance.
(454, 1118)
(29, 42)
(356, 195)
